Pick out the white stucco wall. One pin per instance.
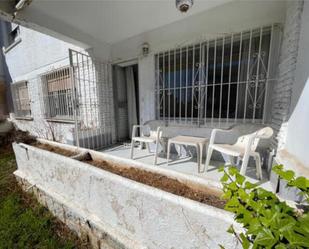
(301, 75)
(146, 71)
(139, 216)
(36, 54)
(294, 154)
(298, 124)
(231, 17)
(284, 86)
(38, 126)
(298, 129)
(234, 17)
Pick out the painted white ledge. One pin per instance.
(291, 162)
(186, 178)
(134, 214)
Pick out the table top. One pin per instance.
(188, 140)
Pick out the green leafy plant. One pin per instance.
(301, 183)
(267, 221)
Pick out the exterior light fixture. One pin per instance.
(184, 5)
(21, 4)
(145, 49)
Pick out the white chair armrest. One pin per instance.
(251, 138)
(214, 133)
(159, 133)
(135, 127)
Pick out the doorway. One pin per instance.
(127, 100)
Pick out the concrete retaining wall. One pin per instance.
(108, 207)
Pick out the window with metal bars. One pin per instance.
(224, 79)
(57, 94)
(21, 99)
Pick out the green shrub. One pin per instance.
(268, 222)
(301, 183)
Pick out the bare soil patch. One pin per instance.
(14, 135)
(202, 194)
(54, 149)
(162, 182)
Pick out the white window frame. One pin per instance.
(22, 106)
(57, 94)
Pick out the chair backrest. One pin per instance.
(157, 133)
(265, 133)
(252, 140)
(145, 131)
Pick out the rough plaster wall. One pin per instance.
(302, 59)
(282, 91)
(297, 130)
(146, 67)
(36, 54)
(149, 217)
(298, 134)
(84, 228)
(38, 126)
(35, 51)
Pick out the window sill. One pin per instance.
(58, 120)
(15, 43)
(24, 118)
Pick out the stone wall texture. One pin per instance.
(282, 91)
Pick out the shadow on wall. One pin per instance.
(8, 81)
(298, 128)
(5, 74)
(295, 130)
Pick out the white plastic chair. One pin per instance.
(243, 148)
(154, 137)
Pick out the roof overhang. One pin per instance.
(89, 22)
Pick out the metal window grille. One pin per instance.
(21, 99)
(94, 101)
(57, 94)
(81, 93)
(222, 80)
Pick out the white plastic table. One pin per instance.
(197, 142)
